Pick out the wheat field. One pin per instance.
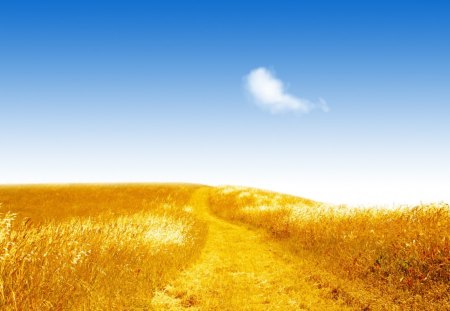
(178, 246)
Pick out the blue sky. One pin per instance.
(119, 91)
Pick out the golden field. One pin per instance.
(176, 246)
(378, 258)
(93, 247)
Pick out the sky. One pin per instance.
(337, 101)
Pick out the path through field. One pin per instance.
(240, 270)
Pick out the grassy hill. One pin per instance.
(179, 246)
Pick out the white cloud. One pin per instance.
(269, 92)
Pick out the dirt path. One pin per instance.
(240, 270)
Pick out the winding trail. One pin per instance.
(240, 270)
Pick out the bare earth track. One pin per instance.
(240, 270)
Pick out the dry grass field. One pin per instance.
(378, 258)
(93, 247)
(176, 247)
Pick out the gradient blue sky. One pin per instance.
(118, 91)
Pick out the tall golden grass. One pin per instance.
(48, 202)
(97, 247)
(93, 247)
(401, 254)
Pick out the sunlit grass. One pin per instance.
(112, 258)
(403, 253)
(122, 247)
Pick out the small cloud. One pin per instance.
(269, 93)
